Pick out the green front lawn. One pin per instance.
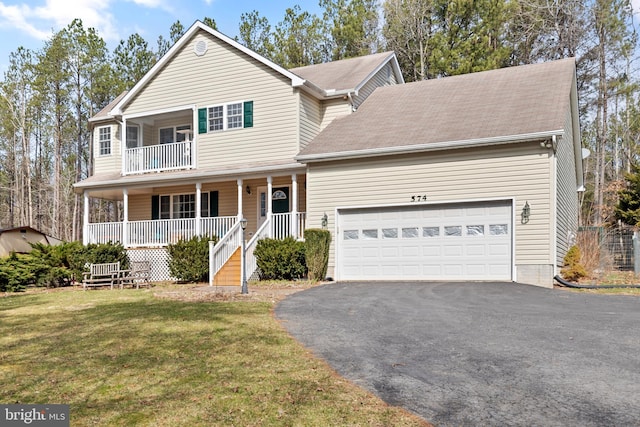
(126, 357)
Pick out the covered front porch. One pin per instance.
(155, 217)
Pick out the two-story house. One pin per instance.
(209, 136)
(472, 177)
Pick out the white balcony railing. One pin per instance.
(156, 158)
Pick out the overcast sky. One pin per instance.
(30, 23)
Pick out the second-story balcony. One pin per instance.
(157, 158)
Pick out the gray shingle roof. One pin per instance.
(506, 102)
(342, 75)
(105, 112)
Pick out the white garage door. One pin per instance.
(470, 241)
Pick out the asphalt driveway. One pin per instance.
(479, 353)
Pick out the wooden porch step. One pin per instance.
(229, 274)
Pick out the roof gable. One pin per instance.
(186, 37)
(498, 105)
(347, 75)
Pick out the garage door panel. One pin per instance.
(452, 250)
(476, 250)
(439, 242)
(499, 249)
(431, 250)
(371, 253)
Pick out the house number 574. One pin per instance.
(419, 198)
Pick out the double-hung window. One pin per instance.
(104, 141)
(216, 118)
(223, 117)
(178, 206)
(234, 116)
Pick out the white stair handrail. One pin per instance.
(220, 253)
(251, 261)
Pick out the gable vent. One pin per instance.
(200, 47)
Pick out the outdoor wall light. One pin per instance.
(526, 212)
(325, 221)
(248, 190)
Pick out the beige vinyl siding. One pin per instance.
(309, 118)
(148, 136)
(140, 205)
(508, 171)
(226, 75)
(112, 162)
(333, 108)
(384, 77)
(567, 195)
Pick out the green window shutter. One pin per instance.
(202, 120)
(155, 207)
(248, 114)
(213, 203)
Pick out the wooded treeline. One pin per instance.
(48, 95)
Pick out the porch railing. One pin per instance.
(166, 231)
(217, 226)
(288, 225)
(156, 158)
(104, 232)
(159, 232)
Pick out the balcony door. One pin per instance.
(133, 136)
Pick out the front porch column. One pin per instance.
(85, 219)
(240, 214)
(270, 204)
(198, 208)
(123, 147)
(125, 220)
(294, 206)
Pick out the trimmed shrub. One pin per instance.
(15, 273)
(573, 270)
(280, 259)
(316, 251)
(189, 259)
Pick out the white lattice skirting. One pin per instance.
(159, 260)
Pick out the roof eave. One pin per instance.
(434, 146)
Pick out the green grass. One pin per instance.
(125, 357)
